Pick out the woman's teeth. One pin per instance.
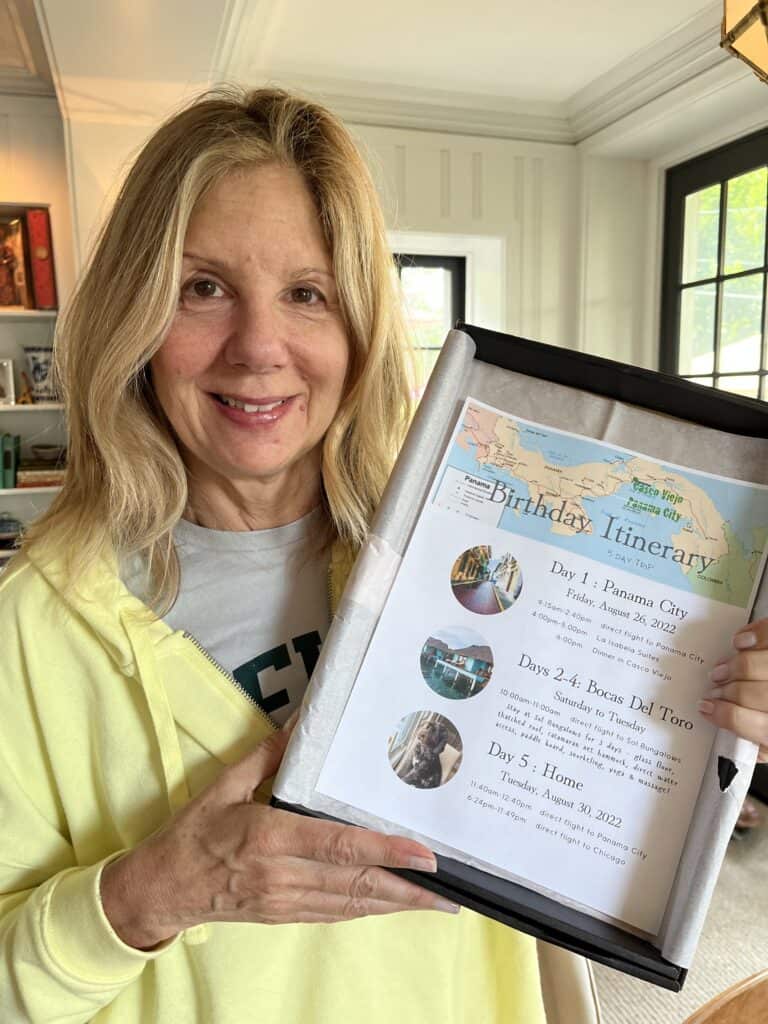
(247, 407)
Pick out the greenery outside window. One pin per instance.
(434, 289)
(713, 328)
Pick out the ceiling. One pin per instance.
(523, 52)
(562, 71)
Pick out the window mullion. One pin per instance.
(720, 282)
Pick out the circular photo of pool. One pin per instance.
(486, 580)
(456, 662)
(425, 750)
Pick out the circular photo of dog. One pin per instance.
(456, 662)
(425, 750)
(486, 580)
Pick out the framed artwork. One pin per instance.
(7, 390)
(14, 262)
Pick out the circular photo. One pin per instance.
(456, 662)
(486, 580)
(425, 750)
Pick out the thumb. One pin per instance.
(241, 779)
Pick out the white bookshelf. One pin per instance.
(24, 491)
(28, 314)
(34, 407)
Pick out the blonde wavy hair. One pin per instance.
(126, 484)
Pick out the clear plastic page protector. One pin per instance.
(593, 734)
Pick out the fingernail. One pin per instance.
(422, 864)
(720, 672)
(743, 640)
(706, 707)
(446, 906)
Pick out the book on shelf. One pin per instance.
(27, 276)
(564, 550)
(39, 474)
(41, 258)
(10, 448)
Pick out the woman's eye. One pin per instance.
(305, 295)
(203, 288)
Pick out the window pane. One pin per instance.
(704, 381)
(427, 292)
(740, 340)
(700, 237)
(740, 385)
(697, 330)
(745, 222)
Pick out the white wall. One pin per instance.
(616, 211)
(100, 153)
(574, 227)
(524, 193)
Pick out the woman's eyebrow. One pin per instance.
(304, 271)
(200, 258)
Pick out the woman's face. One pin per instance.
(252, 370)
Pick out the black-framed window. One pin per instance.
(434, 289)
(713, 315)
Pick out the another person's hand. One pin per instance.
(226, 858)
(738, 699)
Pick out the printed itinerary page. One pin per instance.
(529, 695)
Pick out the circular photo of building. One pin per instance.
(486, 580)
(456, 662)
(425, 750)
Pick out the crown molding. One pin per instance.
(690, 56)
(433, 110)
(681, 57)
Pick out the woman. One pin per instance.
(232, 364)
(233, 370)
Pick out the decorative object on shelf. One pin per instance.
(14, 293)
(745, 33)
(52, 454)
(40, 364)
(9, 525)
(10, 531)
(27, 278)
(25, 396)
(10, 451)
(7, 390)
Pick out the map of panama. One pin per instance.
(692, 530)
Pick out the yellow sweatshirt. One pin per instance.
(108, 723)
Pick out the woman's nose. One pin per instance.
(257, 340)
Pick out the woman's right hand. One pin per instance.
(226, 858)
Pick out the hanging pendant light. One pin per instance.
(745, 33)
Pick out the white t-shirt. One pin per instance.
(258, 602)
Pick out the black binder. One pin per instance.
(495, 897)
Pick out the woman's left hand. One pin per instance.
(738, 699)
